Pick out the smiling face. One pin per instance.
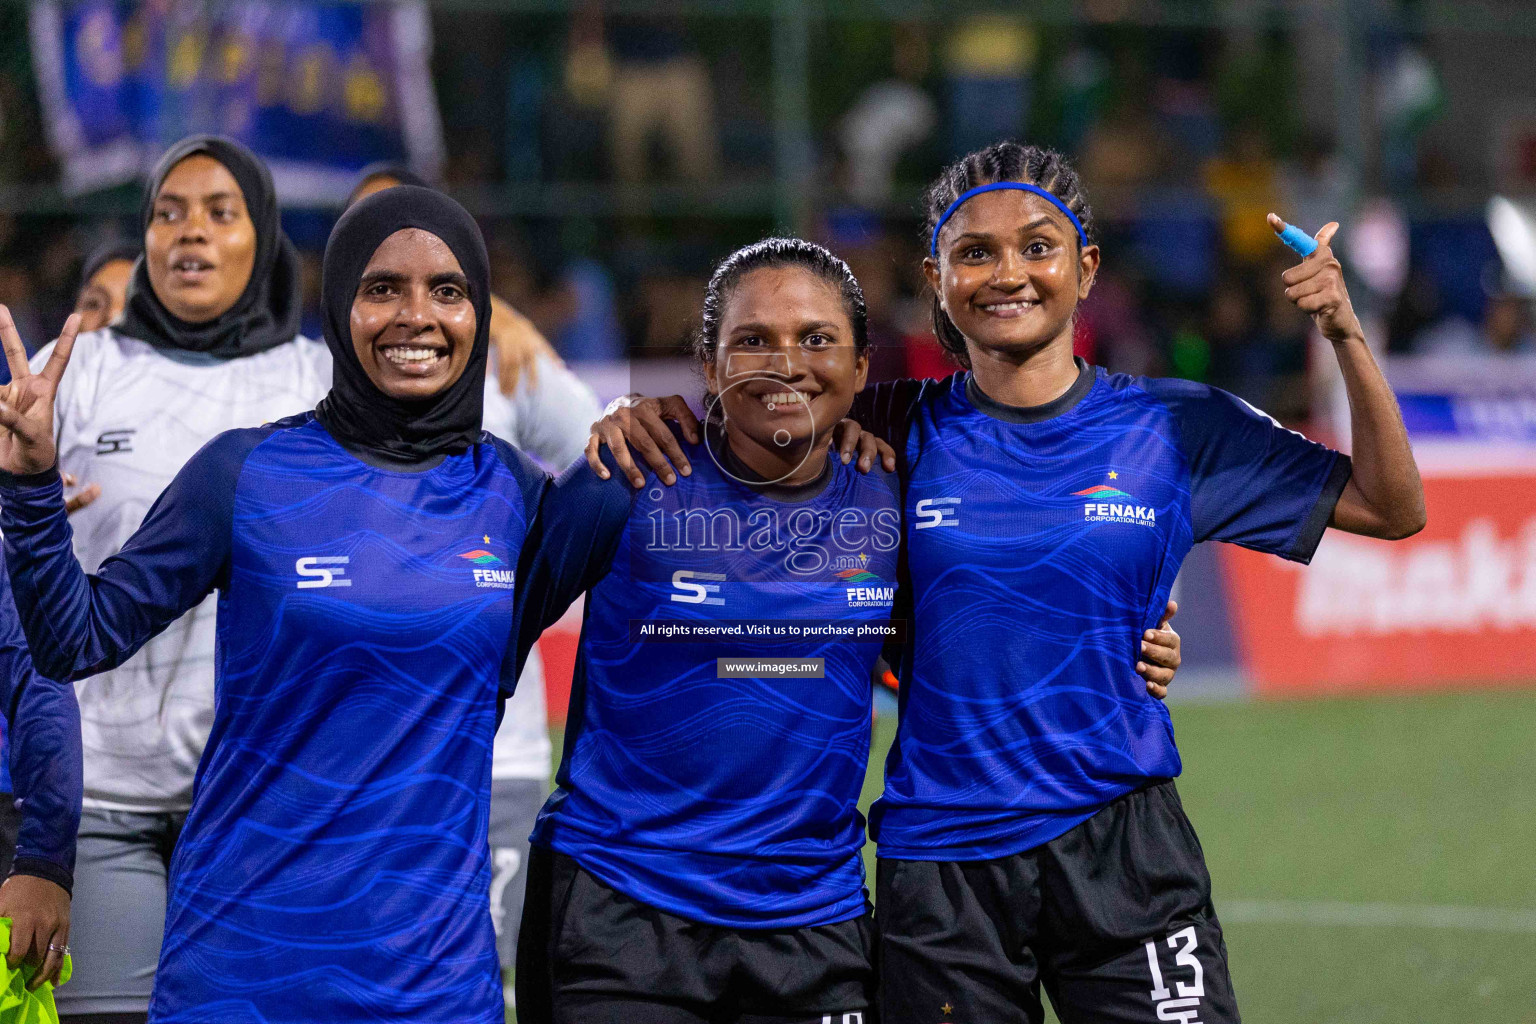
(413, 324)
(102, 298)
(200, 245)
(1009, 273)
(786, 366)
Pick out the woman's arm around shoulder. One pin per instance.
(575, 523)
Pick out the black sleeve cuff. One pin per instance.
(1311, 533)
(40, 868)
(26, 485)
(30, 481)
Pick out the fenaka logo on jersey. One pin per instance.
(485, 574)
(854, 571)
(1108, 504)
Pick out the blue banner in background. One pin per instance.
(318, 89)
(1506, 418)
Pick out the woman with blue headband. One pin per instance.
(1029, 832)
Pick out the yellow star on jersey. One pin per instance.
(1113, 475)
(947, 1009)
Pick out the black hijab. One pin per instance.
(107, 252)
(356, 412)
(267, 312)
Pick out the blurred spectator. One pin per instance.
(888, 118)
(574, 122)
(591, 329)
(667, 311)
(1451, 335)
(576, 309)
(875, 258)
(661, 90)
(1243, 182)
(1182, 97)
(1284, 337)
(468, 73)
(1408, 99)
(1083, 79)
(1230, 325)
(989, 67)
(524, 156)
(1115, 316)
(1314, 186)
(1121, 156)
(1507, 324)
(588, 66)
(1376, 248)
(17, 294)
(1418, 308)
(104, 283)
(1458, 254)
(1175, 240)
(1505, 330)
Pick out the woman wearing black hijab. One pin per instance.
(208, 341)
(334, 865)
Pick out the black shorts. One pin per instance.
(1114, 918)
(10, 831)
(589, 955)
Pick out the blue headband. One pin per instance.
(1082, 236)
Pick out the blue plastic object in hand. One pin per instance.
(1301, 243)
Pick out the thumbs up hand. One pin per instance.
(1316, 286)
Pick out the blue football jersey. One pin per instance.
(40, 755)
(728, 796)
(1039, 545)
(334, 866)
(5, 750)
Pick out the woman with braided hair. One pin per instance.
(1070, 488)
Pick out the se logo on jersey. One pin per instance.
(935, 512)
(113, 442)
(697, 593)
(323, 571)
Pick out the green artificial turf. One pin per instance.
(1373, 860)
(1404, 803)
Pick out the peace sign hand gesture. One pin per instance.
(26, 403)
(1316, 286)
